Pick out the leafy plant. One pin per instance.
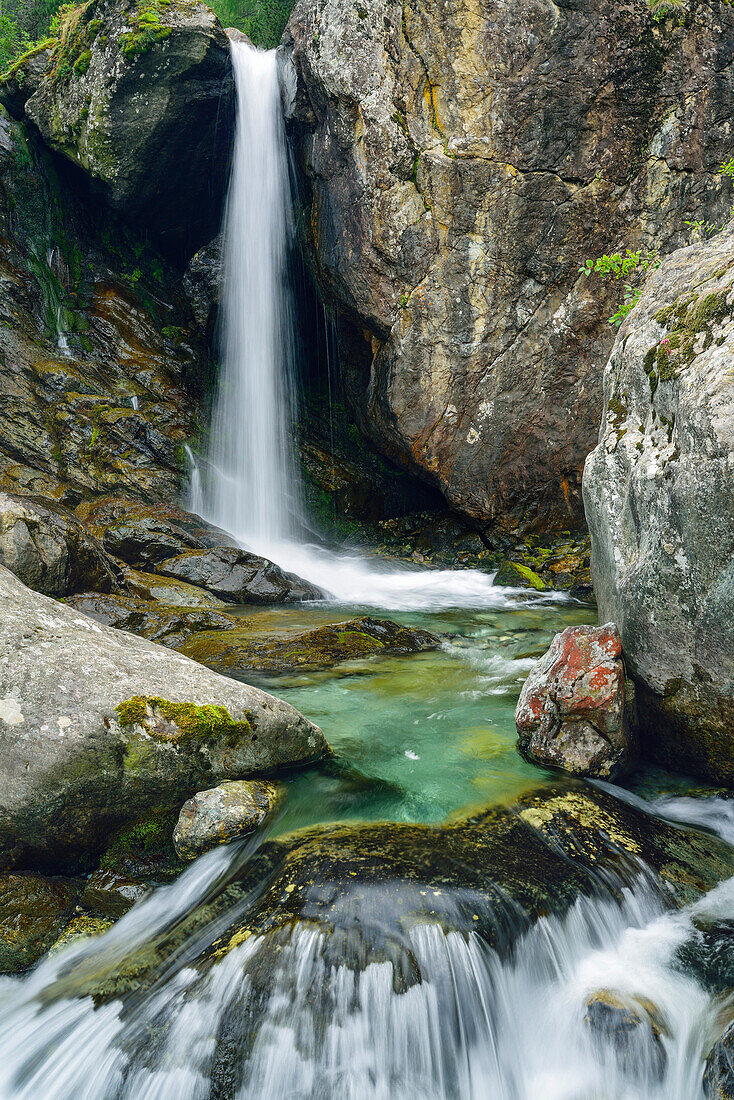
(620, 265)
(662, 9)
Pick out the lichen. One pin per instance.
(183, 722)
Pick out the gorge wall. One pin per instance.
(458, 165)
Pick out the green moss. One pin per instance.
(147, 28)
(189, 721)
(82, 64)
(18, 68)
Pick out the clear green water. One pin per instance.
(423, 737)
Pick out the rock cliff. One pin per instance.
(659, 495)
(459, 163)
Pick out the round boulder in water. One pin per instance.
(223, 814)
(571, 712)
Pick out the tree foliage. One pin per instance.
(262, 20)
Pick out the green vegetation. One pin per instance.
(205, 723)
(261, 20)
(622, 266)
(146, 27)
(664, 9)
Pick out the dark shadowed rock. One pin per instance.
(571, 711)
(143, 534)
(49, 549)
(143, 101)
(110, 895)
(238, 576)
(225, 813)
(459, 163)
(311, 650)
(718, 1078)
(659, 494)
(98, 728)
(33, 913)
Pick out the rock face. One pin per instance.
(571, 711)
(49, 549)
(718, 1078)
(100, 371)
(226, 813)
(169, 626)
(98, 728)
(458, 164)
(238, 650)
(142, 98)
(659, 494)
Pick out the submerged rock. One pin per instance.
(49, 549)
(571, 712)
(659, 493)
(33, 913)
(119, 79)
(630, 1026)
(225, 813)
(169, 626)
(98, 727)
(314, 649)
(238, 576)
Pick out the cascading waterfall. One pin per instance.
(252, 486)
(288, 1022)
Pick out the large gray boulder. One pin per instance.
(142, 98)
(49, 549)
(459, 163)
(659, 496)
(99, 728)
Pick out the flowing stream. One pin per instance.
(416, 739)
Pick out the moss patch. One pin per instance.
(183, 722)
(147, 27)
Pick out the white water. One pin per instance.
(476, 1027)
(249, 482)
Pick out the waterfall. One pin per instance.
(288, 1020)
(248, 483)
(252, 485)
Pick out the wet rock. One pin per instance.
(167, 591)
(238, 577)
(314, 649)
(79, 928)
(143, 534)
(571, 712)
(708, 954)
(227, 812)
(99, 727)
(366, 886)
(202, 282)
(513, 574)
(169, 626)
(659, 493)
(718, 1077)
(23, 77)
(629, 1026)
(450, 201)
(110, 895)
(33, 912)
(120, 77)
(50, 551)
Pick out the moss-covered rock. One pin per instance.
(33, 913)
(321, 648)
(169, 591)
(169, 626)
(118, 76)
(513, 574)
(101, 728)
